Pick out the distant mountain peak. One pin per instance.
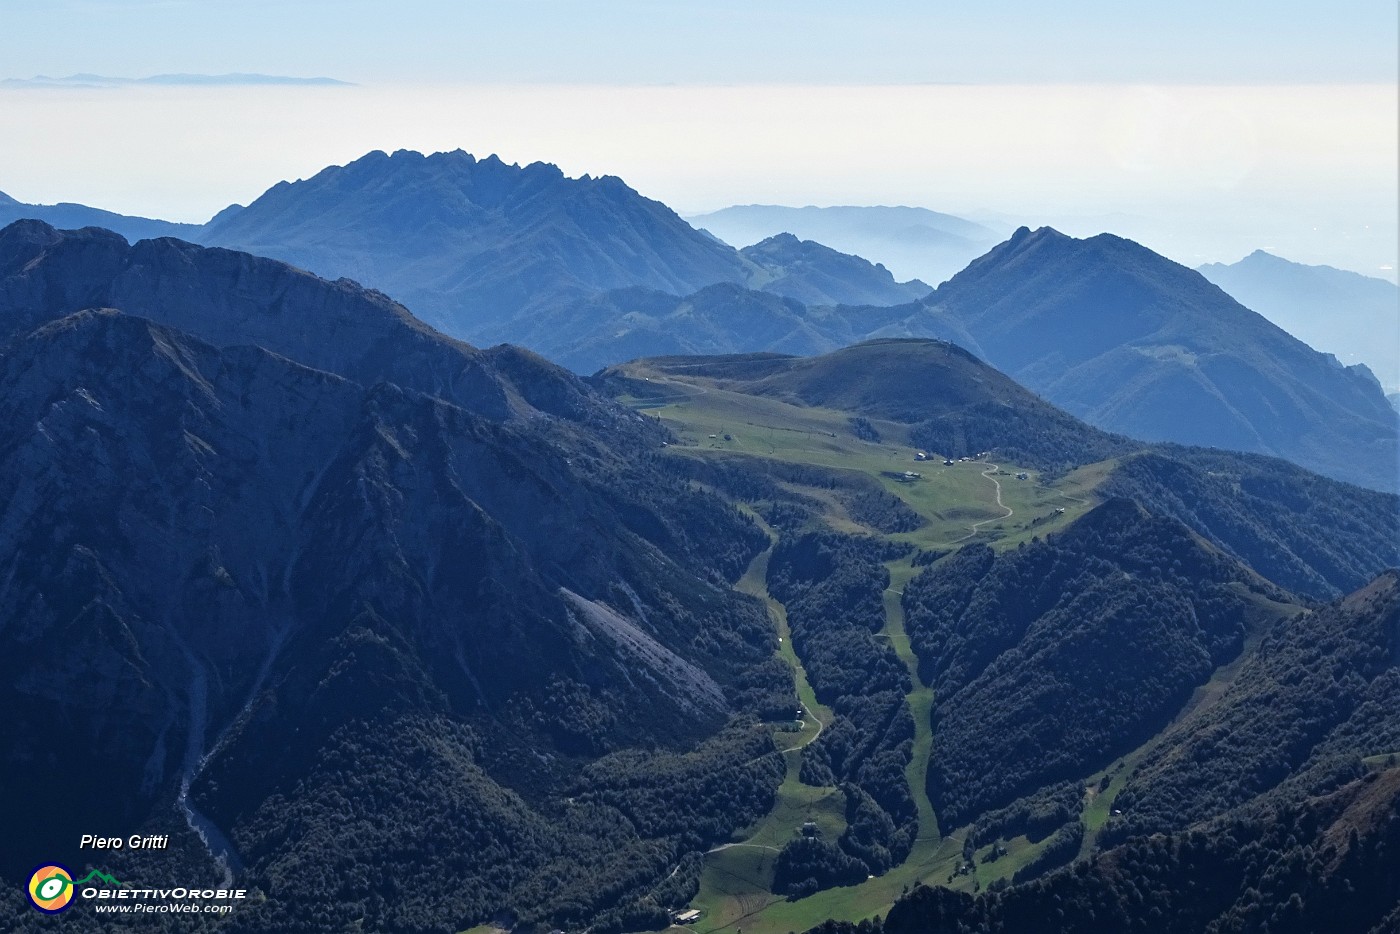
(226, 213)
(1351, 315)
(911, 242)
(1048, 245)
(1039, 234)
(470, 243)
(1261, 260)
(814, 273)
(1025, 239)
(88, 81)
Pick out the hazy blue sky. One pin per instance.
(724, 41)
(1206, 129)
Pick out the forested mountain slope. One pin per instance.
(1051, 660)
(285, 565)
(1280, 815)
(1013, 642)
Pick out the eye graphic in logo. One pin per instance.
(51, 888)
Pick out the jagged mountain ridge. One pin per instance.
(1103, 328)
(492, 235)
(473, 245)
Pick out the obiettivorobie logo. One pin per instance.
(53, 889)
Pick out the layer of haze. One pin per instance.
(1200, 172)
(1205, 129)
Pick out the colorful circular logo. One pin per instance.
(51, 888)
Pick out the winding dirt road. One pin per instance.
(973, 529)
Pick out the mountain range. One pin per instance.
(474, 245)
(1354, 317)
(1103, 328)
(588, 272)
(337, 601)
